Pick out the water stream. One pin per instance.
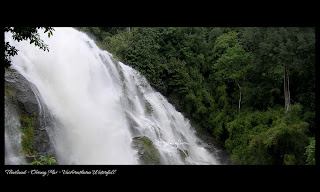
(100, 104)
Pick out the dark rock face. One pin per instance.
(20, 93)
(23, 95)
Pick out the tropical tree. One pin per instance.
(234, 65)
(24, 33)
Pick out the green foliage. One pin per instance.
(43, 161)
(150, 154)
(289, 159)
(27, 126)
(117, 44)
(223, 42)
(311, 152)
(271, 137)
(233, 64)
(208, 72)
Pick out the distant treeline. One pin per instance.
(251, 88)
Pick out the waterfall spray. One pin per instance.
(101, 105)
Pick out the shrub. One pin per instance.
(27, 126)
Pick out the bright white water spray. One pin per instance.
(100, 104)
(13, 149)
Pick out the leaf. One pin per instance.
(51, 161)
(42, 158)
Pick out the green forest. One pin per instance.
(251, 88)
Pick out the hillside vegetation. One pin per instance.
(252, 89)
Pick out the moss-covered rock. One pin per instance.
(27, 139)
(20, 93)
(8, 91)
(147, 152)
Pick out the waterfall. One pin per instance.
(100, 105)
(13, 149)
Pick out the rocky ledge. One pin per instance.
(147, 152)
(19, 92)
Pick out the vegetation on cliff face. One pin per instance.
(147, 152)
(43, 160)
(27, 139)
(18, 92)
(252, 88)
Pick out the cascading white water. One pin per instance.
(101, 104)
(13, 149)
